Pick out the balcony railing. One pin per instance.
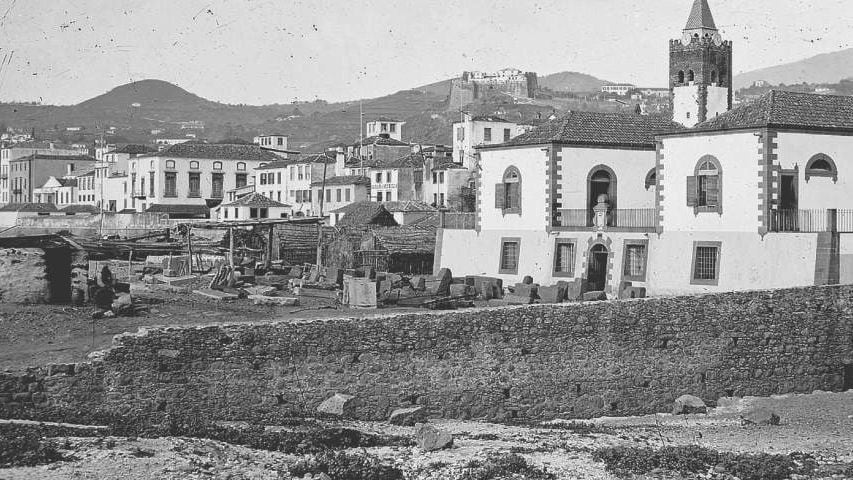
(458, 220)
(642, 219)
(139, 193)
(812, 221)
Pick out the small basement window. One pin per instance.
(510, 251)
(706, 263)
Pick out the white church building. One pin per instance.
(712, 199)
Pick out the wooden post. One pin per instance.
(319, 247)
(129, 265)
(269, 246)
(190, 248)
(231, 246)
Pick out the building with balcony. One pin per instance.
(26, 149)
(398, 179)
(472, 132)
(384, 125)
(31, 172)
(191, 177)
(339, 191)
(290, 180)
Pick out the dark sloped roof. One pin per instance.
(387, 119)
(255, 200)
(218, 152)
(489, 118)
(89, 173)
(179, 209)
(446, 164)
(356, 162)
(408, 206)
(431, 219)
(41, 156)
(700, 16)
(411, 160)
(29, 207)
(364, 213)
(787, 109)
(308, 158)
(67, 182)
(380, 140)
(342, 180)
(596, 128)
(405, 239)
(82, 209)
(134, 149)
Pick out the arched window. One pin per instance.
(194, 165)
(713, 76)
(690, 76)
(601, 180)
(651, 178)
(681, 76)
(704, 188)
(821, 165)
(508, 192)
(170, 164)
(217, 165)
(241, 166)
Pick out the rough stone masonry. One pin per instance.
(532, 362)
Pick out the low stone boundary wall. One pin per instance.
(532, 362)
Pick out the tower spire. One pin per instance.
(700, 20)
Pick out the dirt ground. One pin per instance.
(34, 335)
(820, 423)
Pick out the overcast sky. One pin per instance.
(266, 51)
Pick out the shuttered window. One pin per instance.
(704, 189)
(508, 192)
(510, 251)
(564, 258)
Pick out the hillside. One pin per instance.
(573, 82)
(825, 68)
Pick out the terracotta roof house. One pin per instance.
(360, 214)
(253, 206)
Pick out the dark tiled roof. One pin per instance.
(343, 180)
(408, 206)
(787, 109)
(82, 209)
(378, 140)
(135, 149)
(42, 156)
(218, 152)
(489, 118)
(429, 220)
(364, 213)
(255, 200)
(387, 119)
(595, 128)
(303, 159)
(412, 160)
(445, 164)
(355, 162)
(29, 207)
(700, 16)
(67, 182)
(180, 209)
(90, 173)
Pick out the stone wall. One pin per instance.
(541, 361)
(23, 276)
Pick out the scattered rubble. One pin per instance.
(408, 416)
(688, 404)
(430, 438)
(339, 405)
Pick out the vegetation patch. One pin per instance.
(503, 467)
(692, 459)
(346, 466)
(24, 446)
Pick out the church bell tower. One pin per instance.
(700, 69)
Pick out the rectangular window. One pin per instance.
(388, 176)
(440, 177)
(171, 184)
(218, 184)
(392, 127)
(635, 260)
(487, 134)
(301, 172)
(328, 195)
(262, 180)
(441, 199)
(299, 196)
(151, 182)
(278, 178)
(510, 250)
(253, 213)
(241, 180)
(225, 211)
(460, 133)
(564, 257)
(378, 177)
(506, 135)
(706, 263)
(195, 185)
(434, 177)
(347, 195)
(264, 213)
(378, 196)
(338, 195)
(292, 170)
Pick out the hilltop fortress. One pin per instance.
(473, 86)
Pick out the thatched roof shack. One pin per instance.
(401, 249)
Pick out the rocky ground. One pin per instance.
(820, 424)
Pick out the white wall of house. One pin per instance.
(182, 167)
(630, 167)
(532, 163)
(469, 134)
(738, 155)
(795, 149)
(384, 184)
(337, 196)
(227, 213)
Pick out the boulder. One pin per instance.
(263, 290)
(461, 291)
(686, 404)
(430, 439)
(407, 417)
(554, 294)
(526, 290)
(338, 405)
(760, 416)
(440, 283)
(594, 296)
(527, 280)
(335, 275)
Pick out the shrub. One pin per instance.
(23, 446)
(346, 466)
(694, 459)
(502, 466)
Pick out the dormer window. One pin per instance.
(241, 166)
(217, 165)
(194, 165)
(170, 164)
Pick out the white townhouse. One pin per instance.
(289, 180)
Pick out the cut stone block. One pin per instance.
(265, 300)
(407, 417)
(216, 295)
(338, 405)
